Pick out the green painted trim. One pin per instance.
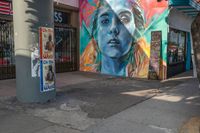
(189, 9)
(178, 2)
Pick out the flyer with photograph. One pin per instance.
(48, 75)
(47, 61)
(47, 47)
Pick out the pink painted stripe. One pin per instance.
(7, 13)
(4, 3)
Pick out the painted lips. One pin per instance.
(113, 42)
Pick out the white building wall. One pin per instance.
(180, 21)
(73, 3)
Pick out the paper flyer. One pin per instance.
(47, 61)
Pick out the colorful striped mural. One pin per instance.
(115, 36)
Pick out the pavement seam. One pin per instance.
(56, 124)
(41, 129)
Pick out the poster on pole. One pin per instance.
(47, 62)
(47, 75)
(35, 63)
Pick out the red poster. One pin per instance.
(47, 46)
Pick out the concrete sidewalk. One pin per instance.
(173, 111)
(103, 104)
(8, 87)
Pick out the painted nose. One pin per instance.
(114, 30)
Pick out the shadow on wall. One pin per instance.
(38, 13)
(37, 17)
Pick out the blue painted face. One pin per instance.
(115, 29)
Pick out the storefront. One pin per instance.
(66, 37)
(7, 57)
(176, 52)
(179, 51)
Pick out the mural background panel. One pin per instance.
(116, 35)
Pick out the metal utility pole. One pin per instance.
(29, 15)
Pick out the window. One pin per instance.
(176, 46)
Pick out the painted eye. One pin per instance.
(125, 17)
(105, 21)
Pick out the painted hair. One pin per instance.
(138, 18)
(137, 61)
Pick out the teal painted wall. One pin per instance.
(179, 2)
(188, 53)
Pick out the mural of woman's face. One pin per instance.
(115, 28)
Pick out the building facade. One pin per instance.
(66, 37)
(66, 16)
(7, 56)
(136, 38)
(129, 38)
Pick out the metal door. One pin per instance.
(7, 56)
(66, 49)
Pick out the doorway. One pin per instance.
(7, 56)
(66, 50)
